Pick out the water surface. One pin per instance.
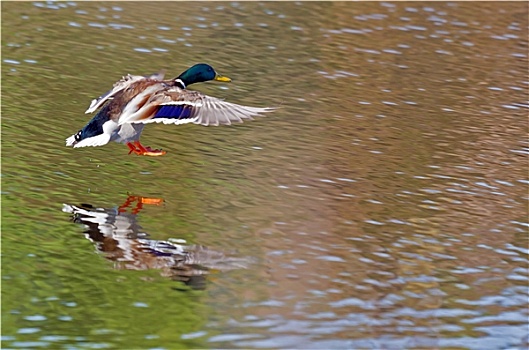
(383, 206)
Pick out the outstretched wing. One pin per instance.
(177, 106)
(121, 85)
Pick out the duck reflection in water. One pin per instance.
(118, 236)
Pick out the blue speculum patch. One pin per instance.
(175, 112)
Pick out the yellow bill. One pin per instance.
(222, 78)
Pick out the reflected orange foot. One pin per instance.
(150, 200)
(141, 150)
(139, 203)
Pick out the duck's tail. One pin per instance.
(72, 140)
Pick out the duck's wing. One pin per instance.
(121, 85)
(177, 106)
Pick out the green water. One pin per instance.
(384, 205)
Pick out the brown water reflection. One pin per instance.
(385, 203)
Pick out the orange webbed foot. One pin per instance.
(141, 150)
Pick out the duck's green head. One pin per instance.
(199, 73)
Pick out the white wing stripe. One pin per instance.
(176, 103)
(166, 121)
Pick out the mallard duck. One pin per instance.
(137, 100)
